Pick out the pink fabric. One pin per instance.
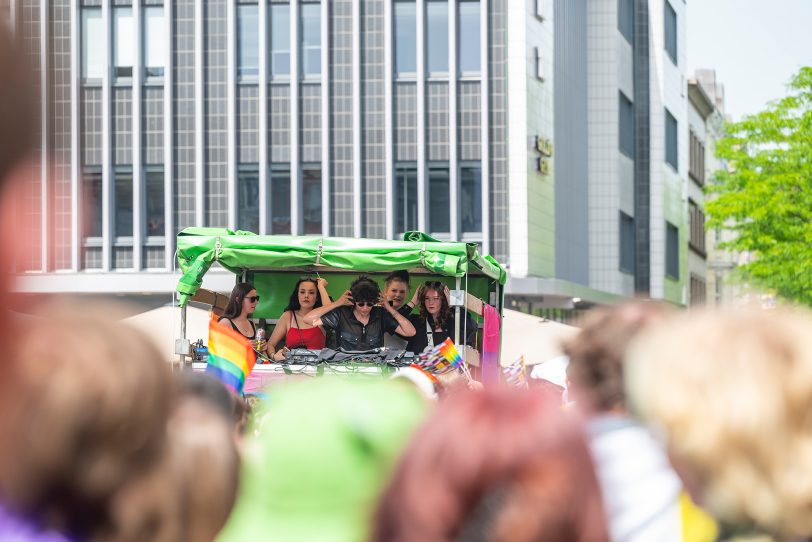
(490, 346)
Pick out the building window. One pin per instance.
(311, 198)
(627, 243)
(671, 251)
(696, 219)
(539, 64)
(437, 36)
(405, 37)
(248, 199)
(124, 43)
(671, 140)
(471, 198)
(154, 41)
(123, 200)
(92, 203)
(626, 120)
(406, 198)
(469, 37)
(696, 167)
(280, 40)
(156, 226)
(698, 290)
(92, 36)
(247, 41)
(625, 19)
(671, 32)
(439, 200)
(280, 199)
(311, 40)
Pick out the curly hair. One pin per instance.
(365, 289)
(596, 353)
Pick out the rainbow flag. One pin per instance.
(442, 359)
(231, 357)
(515, 374)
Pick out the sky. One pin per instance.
(754, 45)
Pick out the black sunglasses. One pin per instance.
(364, 304)
(253, 299)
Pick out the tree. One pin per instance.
(765, 193)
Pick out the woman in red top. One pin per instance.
(297, 333)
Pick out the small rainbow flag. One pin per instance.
(231, 357)
(442, 359)
(515, 373)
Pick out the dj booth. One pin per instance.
(304, 363)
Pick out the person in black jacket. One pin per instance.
(436, 321)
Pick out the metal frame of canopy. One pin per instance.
(199, 248)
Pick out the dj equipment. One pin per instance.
(377, 356)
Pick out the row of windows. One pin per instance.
(696, 167)
(671, 140)
(628, 248)
(625, 23)
(696, 218)
(436, 32)
(153, 211)
(125, 40)
(698, 290)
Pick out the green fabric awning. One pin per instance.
(199, 248)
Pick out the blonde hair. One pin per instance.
(732, 392)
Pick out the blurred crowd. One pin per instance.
(670, 426)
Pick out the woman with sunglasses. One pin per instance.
(292, 326)
(360, 317)
(243, 302)
(436, 321)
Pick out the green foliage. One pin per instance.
(765, 194)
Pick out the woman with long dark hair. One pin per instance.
(436, 321)
(292, 326)
(243, 301)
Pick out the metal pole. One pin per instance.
(457, 317)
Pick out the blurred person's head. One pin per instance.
(305, 295)
(396, 288)
(204, 390)
(596, 354)
(731, 394)
(322, 459)
(242, 302)
(494, 465)
(365, 293)
(86, 423)
(204, 468)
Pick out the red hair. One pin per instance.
(494, 465)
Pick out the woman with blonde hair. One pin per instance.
(731, 394)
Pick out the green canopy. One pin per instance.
(199, 248)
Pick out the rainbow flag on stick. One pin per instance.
(231, 358)
(515, 373)
(442, 359)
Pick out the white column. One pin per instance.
(325, 118)
(295, 168)
(108, 184)
(453, 178)
(75, 78)
(231, 112)
(422, 222)
(200, 174)
(13, 8)
(169, 157)
(139, 230)
(45, 195)
(484, 122)
(356, 118)
(263, 118)
(387, 119)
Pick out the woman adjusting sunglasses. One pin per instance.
(360, 317)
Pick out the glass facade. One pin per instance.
(154, 41)
(310, 35)
(405, 198)
(311, 199)
(124, 42)
(280, 40)
(92, 35)
(248, 199)
(437, 36)
(405, 37)
(247, 40)
(123, 204)
(155, 219)
(280, 200)
(469, 37)
(470, 209)
(439, 200)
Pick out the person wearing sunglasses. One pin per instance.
(243, 301)
(436, 321)
(297, 333)
(361, 317)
